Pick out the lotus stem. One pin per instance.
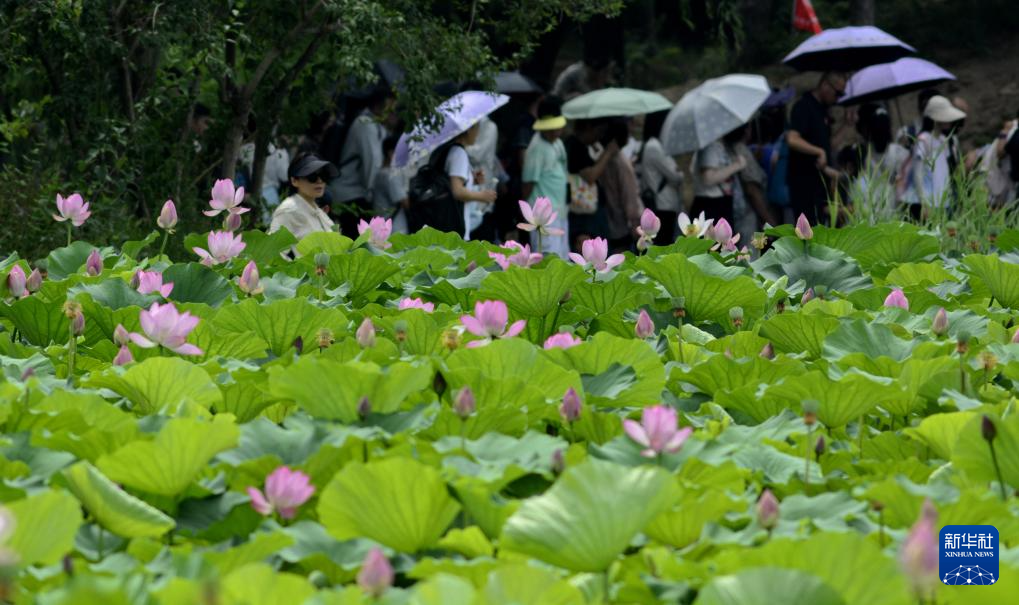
(166, 238)
(538, 232)
(555, 320)
(72, 350)
(68, 233)
(679, 338)
(881, 527)
(806, 458)
(99, 541)
(997, 470)
(861, 435)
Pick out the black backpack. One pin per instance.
(431, 197)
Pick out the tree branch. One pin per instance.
(276, 51)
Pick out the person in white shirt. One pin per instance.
(299, 213)
(483, 158)
(389, 198)
(930, 175)
(660, 177)
(884, 162)
(462, 181)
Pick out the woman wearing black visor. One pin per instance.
(300, 212)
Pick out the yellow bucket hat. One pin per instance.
(550, 123)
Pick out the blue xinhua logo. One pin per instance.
(968, 555)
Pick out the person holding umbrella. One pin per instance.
(810, 169)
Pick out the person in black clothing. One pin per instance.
(810, 163)
(579, 161)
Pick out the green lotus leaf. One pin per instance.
(113, 294)
(280, 323)
(44, 527)
(766, 586)
(260, 583)
(196, 283)
(259, 548)
(39, 321)
(840, 401)
(398, 502)
(919, 274)
(80, 423)
(1001, 278)
(133, 248)
(689, 246)
(814, 264)
(590, 515)
(332, 390)
(533, 292)
(112, 507)
(361, 271)
(682, 525)
(67, 260)
(706, 298)
(522, 583)
(878, 246)
(267, 248)
(485, 506)
(443, 589)
(469, 541)
(325, 241)
(161, 384)
(798, 333)
(972, 454)
(871, 339)
(421, 329)
(609, 296)
(722, 374)
(168, 464)
(598, 363)
(841, 560)
(940, 432)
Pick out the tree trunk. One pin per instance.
(861, 12)
(240, 108)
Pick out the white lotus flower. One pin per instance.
(696, 228)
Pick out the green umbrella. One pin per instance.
(610, 102)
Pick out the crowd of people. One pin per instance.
(599, 177)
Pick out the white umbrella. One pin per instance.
(711, 110)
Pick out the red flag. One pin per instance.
(804, 17)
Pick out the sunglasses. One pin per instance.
(321, 176)
(839, 92)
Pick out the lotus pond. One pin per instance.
(412, 420)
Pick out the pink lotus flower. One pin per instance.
(596, 256)
(73, 209)
(365, 334)
(722, 234)
(166, 327)
(376, 574)
(416, 303)
(803, 230)
(645, 328)
(694, 228)
(897, 299)
(571, 406)
(562, 340)
(919, 556)
(1015, 337)
(767, 510)
(522, 258)
(152, 281)
(16, 282)
(34, 281)
(807, 296)
(94, 263)
(489, 322)
(167, 216)
(381, 228)
(249, 282)
(232, 222)
(539, 217)
(123, 357)
(226, 199)
(743, 255)
(285, 491)
(121, 336)
(465, 404)
(648, 230)
(657, 431)
(223, 246)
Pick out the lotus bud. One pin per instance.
(767, 510)
(471, 266)
(34, 281)
(321, 263)
(464, 405)
(325, 338)
(759, 241)
(974, 245)
(679, 306)
(167, 216)
(450, 339)
(897, 299)
(736, 315)
(919, 555)
(962, 343)
(123, 357)
(768, 352)
(78, 324)
(810, 412)
(94, 264)
(366, 334)
(121, 336)
(376, 575)
(877, 505)
(364, 408)
(952, 228)
(819, 447)
(28, 373)
(571, 406)
(939, 326)
(67, 563)
(439, 384)
(988, 361)
(249, 282)
(645, 328)
(780, 306)
(232, 222)
(1015, 337)
(807, 296)
(298, 345)
(17, 282)
(400, 330)
(71, 309)
(803, 230)
(987, 428)
(558, 462)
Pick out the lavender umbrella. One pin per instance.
(458, 114)
(889, 80)
(847, 49)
